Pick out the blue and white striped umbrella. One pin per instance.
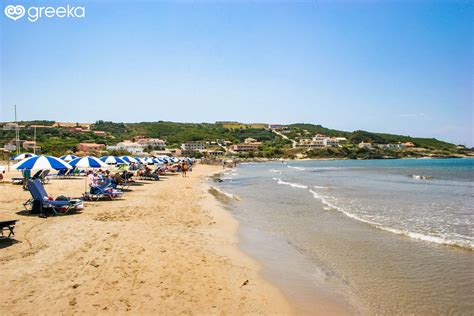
(165, 159)
(148, 160)
(42, 163)
(113, 160)
(88, 162)
(158, 161)
(129, 159)
(140, 159)
(23, 156)
(68, 158)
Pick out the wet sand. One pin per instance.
(167, 247)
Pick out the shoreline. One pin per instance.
(352, 254)
(263, 160)
(166, 247)
(312, 296)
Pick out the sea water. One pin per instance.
(380, 236)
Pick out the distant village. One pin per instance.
(138, 145)
(142, 146)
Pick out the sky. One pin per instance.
(403, 67)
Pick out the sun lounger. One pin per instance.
(64, 173)
(40, 200)
(60, 173)
(40, 174)
(43, 176)
(7, 226)
(17, 180)
(154, 176)
(26, 176)
(101, 192)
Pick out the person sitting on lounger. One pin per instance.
(92, 179)
(105, 181)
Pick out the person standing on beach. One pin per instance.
(185, 169)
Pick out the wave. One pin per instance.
(312, 169)
(320, 187)
(294, 185)
(421, 177)
(275, 171)
(226, 194)
(324, 168)
(413, 235)
(297, 168)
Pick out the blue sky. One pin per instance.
(400, 67)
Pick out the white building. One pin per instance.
(10, 126)
(133, 148)
(10, 147)
(318, 141)
(152, 142)
(365, 145)
(332, 142)
(390, 146)
(193, 146)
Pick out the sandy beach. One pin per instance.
(167, 247)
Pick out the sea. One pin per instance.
(370, 236)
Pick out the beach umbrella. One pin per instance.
(68, 158)
(23, 156)
(113, 160)
(129, 159)
(140, 159)
(42, 163)
(166, 159)
(88, 162)
(148, 160)
(158, 161)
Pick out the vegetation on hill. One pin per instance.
(298, 130)
(57, 141)
(177, 133)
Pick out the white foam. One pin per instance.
(294, 185)
(297, 168)
(275, 171)
(421, 177)
(229, 195)
(320, 187)
(413, 235)
(325, 168)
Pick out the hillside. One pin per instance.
(359, 136)
(57, 140)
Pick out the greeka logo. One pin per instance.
(16, 12)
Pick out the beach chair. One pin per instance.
(150, 176)
(121, 182)
(60, 173)
(44, 177)
(7, 226)
(26, 177)
(100, 192)
(17, 180)
(68, 173)
(40, 200)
